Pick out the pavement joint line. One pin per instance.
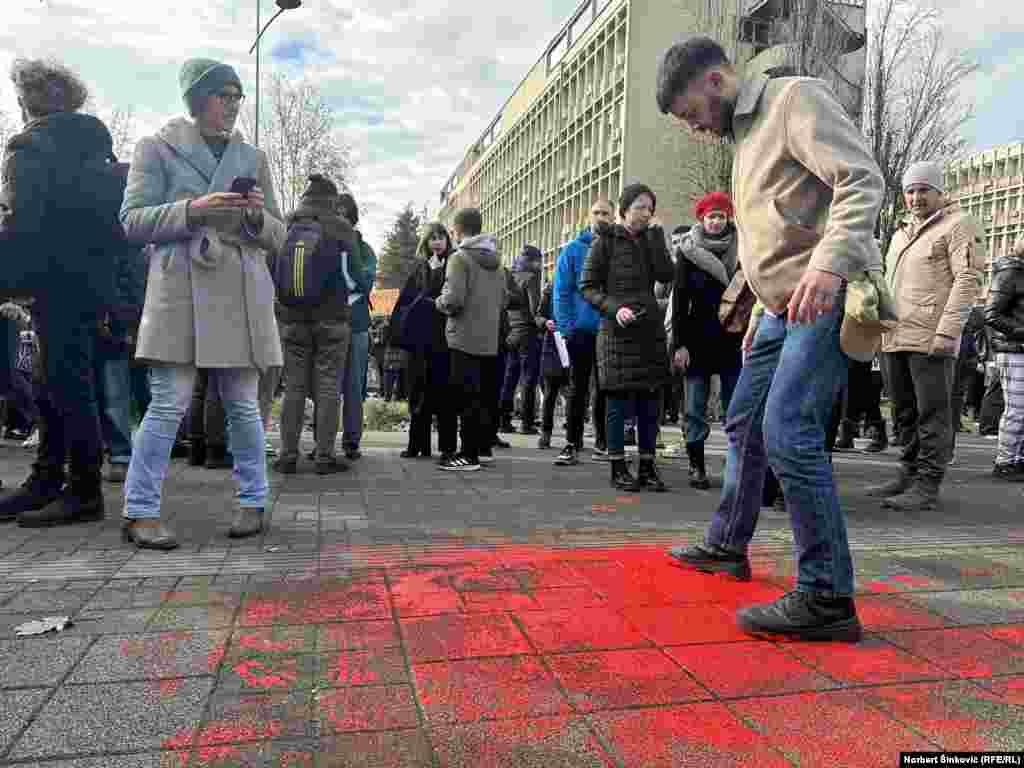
(45, 701)
(421, 711)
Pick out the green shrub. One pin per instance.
(381, 416)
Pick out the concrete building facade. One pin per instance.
(584, 123)
(990, 185)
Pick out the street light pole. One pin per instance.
(284, 5)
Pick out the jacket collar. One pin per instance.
(749, 96)
(183, 136)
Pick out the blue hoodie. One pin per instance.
(572, 311)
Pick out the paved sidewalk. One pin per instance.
(519, 616)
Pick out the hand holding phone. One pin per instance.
(243, 185)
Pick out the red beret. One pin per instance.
(714, 201)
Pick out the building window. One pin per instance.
(580, 23)
(557, 52)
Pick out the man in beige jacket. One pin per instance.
(807, 193)
(933, 269)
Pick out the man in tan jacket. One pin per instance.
(933, 269)
(807, 193)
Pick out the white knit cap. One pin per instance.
(925, 172)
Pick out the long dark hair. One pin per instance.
(435, 229)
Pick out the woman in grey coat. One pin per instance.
(209, 299)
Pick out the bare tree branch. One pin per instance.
(917, 105)
(297, 131)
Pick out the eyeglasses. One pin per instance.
(231, 98)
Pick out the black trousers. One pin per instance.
(553, 385)
(467, 379)
(920, 387)
(966, 368)
(583, 356)
(862, 397)
(206, 417)
(430, 396)
(65, 389)
(992, 406)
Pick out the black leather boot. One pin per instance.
(622, 478)
(81, 502)
(42, 487)
(649, 478)
(845, 440)
(197, 453)
(698, 468)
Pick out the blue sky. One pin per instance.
(413, 81)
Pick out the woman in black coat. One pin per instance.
(624, 263)
(420, 330)
(705, 265)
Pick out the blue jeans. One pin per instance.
(698, 387)
(116, 413)
(779, 413)
(171, 387)
(644, 406)
(352, 388)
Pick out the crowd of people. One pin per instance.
(194, 295)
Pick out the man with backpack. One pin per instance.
(59, 238)
(316, 320)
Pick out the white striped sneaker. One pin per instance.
(459, 463)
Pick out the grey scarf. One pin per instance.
(715, 255)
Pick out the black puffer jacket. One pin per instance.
(1004, 312)
(620, 271)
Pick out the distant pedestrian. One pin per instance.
(624, 263)
(1004, 314)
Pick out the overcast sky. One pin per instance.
(413, 81)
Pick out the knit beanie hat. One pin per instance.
(925, 172)
(714, 201)
(321, 189)
(200, 78)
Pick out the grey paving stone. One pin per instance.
(49, 602)
(119, 598)
(145, 760)
(40, 660)
(152, 656)
(116, 717)
(112, 622)
(15, 709)
(192, 617)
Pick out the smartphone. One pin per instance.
(243, 185)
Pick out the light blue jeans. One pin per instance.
(352, 388)
(172, 393)
(777, 417)
(116, 412)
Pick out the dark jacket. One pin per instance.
(418, 323)
(1004, 312)
(335, 307)
(39, 232)
(572, 312)
(120, 327)
(696, 297)
(621, 271)
(971, 344)
(550, 364)
(523, 299)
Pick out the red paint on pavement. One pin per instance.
(438, 638)
(586, 629)
(615, 679)
(542, 742)
(487, 689)
(378, 708)
(687, 736)
(872, 661)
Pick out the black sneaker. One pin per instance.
(803, 616)
(486, 457)
(499, 443)
(1013, 473)
(568, 457)
(713, 560)
(459, 463)
(600, 453)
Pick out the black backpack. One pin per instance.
(308, 269)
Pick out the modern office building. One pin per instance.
(584, 122)
(990, 185)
